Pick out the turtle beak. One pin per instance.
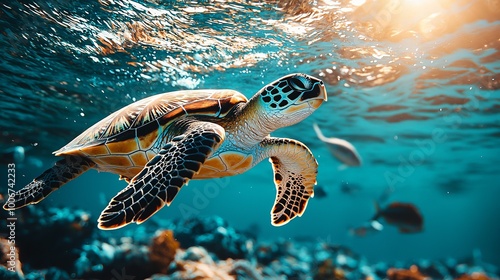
(317, 95)
(323, 95)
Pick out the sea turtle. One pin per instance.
(159, 143)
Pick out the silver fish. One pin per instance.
(341, 149)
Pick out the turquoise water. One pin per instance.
(414, 89)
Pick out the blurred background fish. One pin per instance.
(19, 156)
(367, 228)
(320, 191)
(384, 197)
(405, 216)
(340, 149)
(12, 155)
(349, 188)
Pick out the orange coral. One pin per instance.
(405, 274)
(162, 250)
(327, 270)
(474, 276)
(9, 256)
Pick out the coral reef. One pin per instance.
(337, 262)
(107, 258)
(60, 232)
(199, 248)
(214, 234)
(406, 274)
(9, 256)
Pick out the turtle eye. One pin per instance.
(300, 83)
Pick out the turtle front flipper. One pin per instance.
(163, 176)
(52, 179)
(295, 170)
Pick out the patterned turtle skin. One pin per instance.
(159, 143)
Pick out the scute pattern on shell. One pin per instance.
(169, 106)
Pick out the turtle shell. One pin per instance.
(133, 123)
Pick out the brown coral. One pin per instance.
(162, 250)
(406, 274)
(327, 270)
(9, 256)
(474, 276)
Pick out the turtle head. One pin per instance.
(292, 98)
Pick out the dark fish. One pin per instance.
(341, 149)
(320, 192)
(349, 188)
(12, 155)
(405, 216)
(368, 228)
(453, 186)
(385, 195)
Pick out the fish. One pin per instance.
(12, 155)
(350, 189)
(340, 149)
(385, 195)
(405, 216)
(320, 192)
(370, 227)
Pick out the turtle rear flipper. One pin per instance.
(295, 171)
(52, 179)
(163, 176)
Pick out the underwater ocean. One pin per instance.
(413, 89)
